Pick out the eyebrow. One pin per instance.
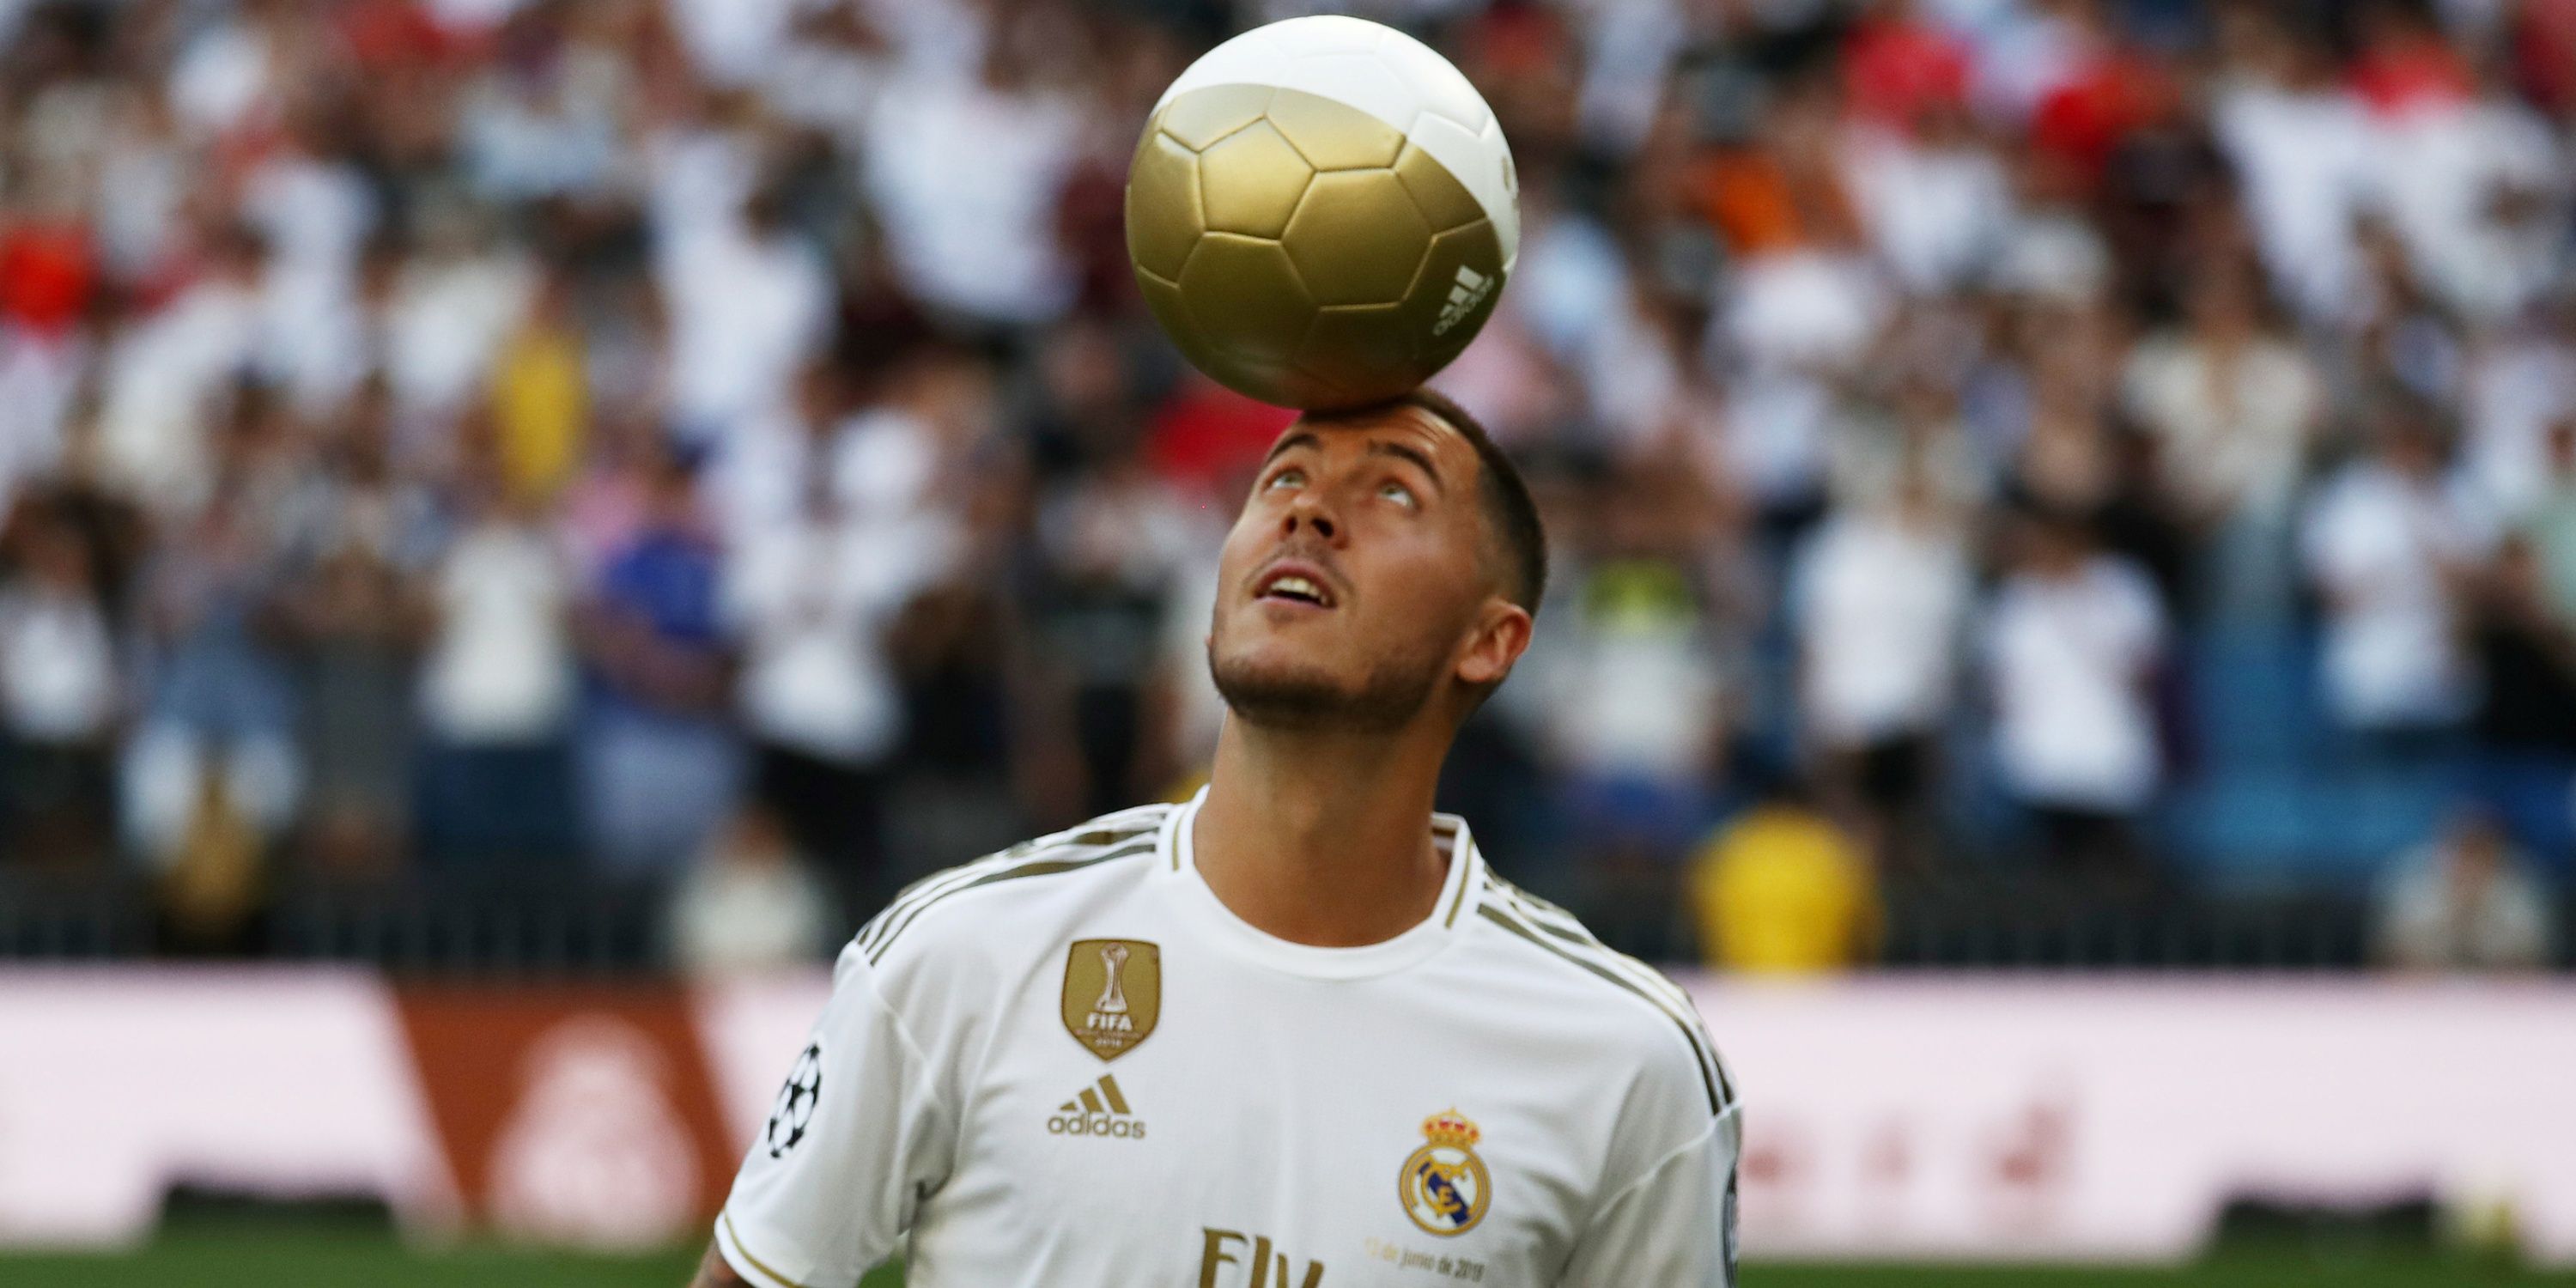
(1422, 462)
(1376, 447)
(1302, 438)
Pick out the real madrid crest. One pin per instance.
(1444, 1186)
(1113, 993)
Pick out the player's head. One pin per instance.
(1385, 569)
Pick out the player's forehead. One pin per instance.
(1354, 433)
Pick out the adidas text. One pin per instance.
(1099, 1110)
(1096, 1125)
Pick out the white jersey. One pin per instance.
(1070, 1065)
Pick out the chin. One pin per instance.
(1292, 695)
(1264, 679)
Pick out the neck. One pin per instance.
(1322, 838)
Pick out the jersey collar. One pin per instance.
(1177, 867)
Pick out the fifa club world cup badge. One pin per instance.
(1444, 1186)
(1113, 993)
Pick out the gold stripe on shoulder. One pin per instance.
(1585, 944)
(1548, 917)
(1703, 1055)
(1098, 834)
(1033, 868)
(1466, 857)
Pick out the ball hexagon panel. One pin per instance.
(1197, 120)
(1461, 278)
(1375, 343)
(1164, 298)
(1443, 200)
(1288, 385)
(1332, 136)
(1357, 238)
(1437, 85)
(1363, 81)
(1247, 295)
(1163, 216)
(1250, 180)
(1429, 126)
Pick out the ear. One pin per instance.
(1501, 634)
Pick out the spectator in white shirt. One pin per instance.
(315, 211)
(1879, 599)
(842, 537)
(497, 690)
(2233, 399)
(435, 322)
(60, 699)
(1938, 201)
(2478, 191)
(2232, 404)
(750, 301)
(2073, 640)
(165, 375)
(977, 239)
(2301, 145)
(2386, 542)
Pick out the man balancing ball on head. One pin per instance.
(1294, 1033)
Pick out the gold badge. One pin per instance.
(1113, 993)
(1444, 1186)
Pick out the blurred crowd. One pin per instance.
(717, 442)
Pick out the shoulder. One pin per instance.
(1056, 871)
(1622, 1006)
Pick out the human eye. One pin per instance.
(1396, 491)
(1288, 477)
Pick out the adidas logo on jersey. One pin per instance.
(1101, 1110)
(1465, 294)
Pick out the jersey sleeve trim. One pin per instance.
(764, 1273)
(729, 1243)
(1703, 1055)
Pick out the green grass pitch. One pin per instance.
(261, 1256)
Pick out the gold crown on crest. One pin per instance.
(1451, 1128)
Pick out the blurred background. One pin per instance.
(544, 513)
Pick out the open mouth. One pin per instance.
(1294, 587)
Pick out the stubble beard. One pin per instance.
(1305, 700)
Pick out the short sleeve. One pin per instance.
(1674, 1226)
(858, 1134)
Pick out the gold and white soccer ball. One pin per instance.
(1322, 212)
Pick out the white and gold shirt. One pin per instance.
(1070, 1065)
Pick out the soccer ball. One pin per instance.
(1322, 212)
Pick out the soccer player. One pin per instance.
(1294, 1033)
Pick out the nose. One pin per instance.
(1307, 510)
